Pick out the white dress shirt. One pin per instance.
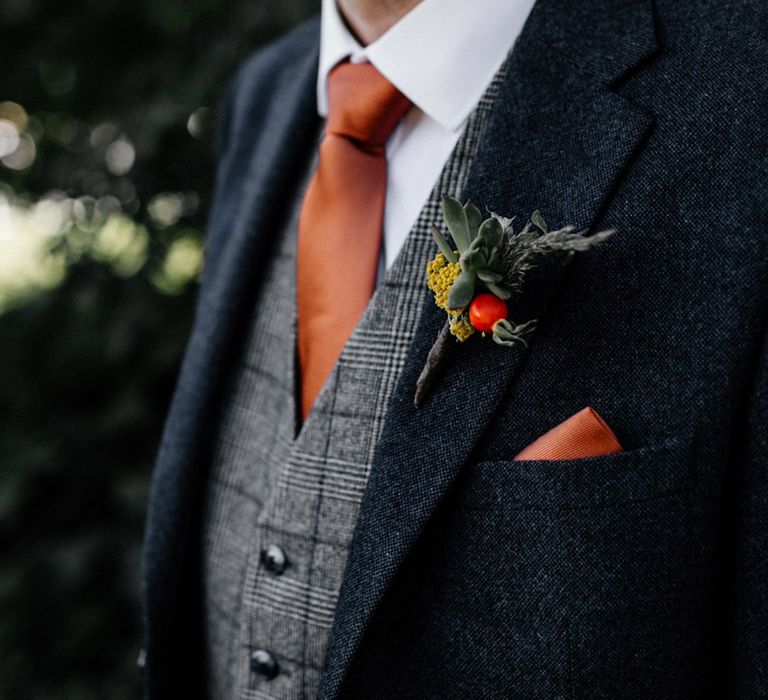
(442, 55)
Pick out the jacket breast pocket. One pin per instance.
(647, 473)
(602, 559)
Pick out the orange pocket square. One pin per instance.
(584, 434)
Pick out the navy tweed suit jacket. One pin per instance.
(637, 575)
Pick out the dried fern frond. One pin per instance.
(524, 250)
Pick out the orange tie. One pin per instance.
(342, 217)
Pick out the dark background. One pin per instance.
(106, 161)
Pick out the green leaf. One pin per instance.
(475, 245)
(477, 259)
(474, 219)
(456, 219)
(462, 290)
(492, 232)
(487, 275)
(508, 342)
(538, 221)
(498, 290)
(507, 333)
(500, 332)
(442, 244)
(474, 256)
(505, 222)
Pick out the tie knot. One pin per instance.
(362, 104)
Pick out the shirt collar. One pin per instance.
(442, 55)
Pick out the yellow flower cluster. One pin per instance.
(461, 327)
(440, 277)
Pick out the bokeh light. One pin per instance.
(33, 261)
(27, 264)
(107, 118)
(200, 122)
(166, 208)
(181, 265)
(120, 156)
(9, 138)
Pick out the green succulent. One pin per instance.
(480, 245)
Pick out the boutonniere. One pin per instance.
(474, 278)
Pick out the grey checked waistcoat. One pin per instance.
(303, 493)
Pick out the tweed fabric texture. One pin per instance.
(471, 575)
(303, 494)
(256, 433)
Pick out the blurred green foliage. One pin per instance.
(117, 102)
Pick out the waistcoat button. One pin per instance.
(263, 663)
(274, 560)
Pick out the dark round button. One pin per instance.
(263, 663)
(273, 558)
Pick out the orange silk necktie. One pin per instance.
(342, 217)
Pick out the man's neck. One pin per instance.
(369, 19)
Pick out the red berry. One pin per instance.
(485, 310)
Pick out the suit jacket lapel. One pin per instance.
(557, 140)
